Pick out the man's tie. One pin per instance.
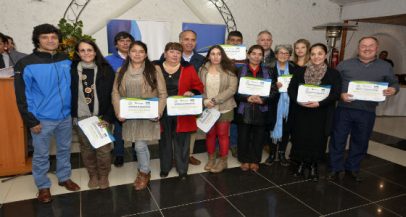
(2, 64)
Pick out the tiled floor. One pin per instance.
(272, 191)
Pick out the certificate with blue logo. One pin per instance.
(137, 108)
(235, 52)
(312, 93)
(183, 105)
(254, 86)
(98, 136)
(367, 90)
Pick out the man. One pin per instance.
(4, 62)
(42, 86)
(122, 41)
(264, 39)
(383, 55)
(357, 117)
(7, 51)
(187, 39)
(234, 38)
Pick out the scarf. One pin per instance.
(314, 73)
(83, 108)
(283, 107)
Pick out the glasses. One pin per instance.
(284, 54)
(86, 51)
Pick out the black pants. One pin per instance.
(284, 140)
(173, 142)
(250, 143)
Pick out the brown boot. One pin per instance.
(142, 180)
(220, 165)
(93, 181)
(210, 162)
(104, 182)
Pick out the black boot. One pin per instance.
(314, 172)
(269, 161)
(300, 170)
(282, 159)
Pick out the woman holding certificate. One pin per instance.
(220, 84)
(92, 82)
(139, 78)
(280, 128)
(181, 80)
(313, 91)
(255, 90)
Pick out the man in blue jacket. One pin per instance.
(42, 86)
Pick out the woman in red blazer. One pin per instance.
(181, 80)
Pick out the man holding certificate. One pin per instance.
(357, 117)
(139, 78)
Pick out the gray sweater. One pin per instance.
(375, 71)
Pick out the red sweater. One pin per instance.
(188, 80)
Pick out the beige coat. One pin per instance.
(228, 87)
(141, 129)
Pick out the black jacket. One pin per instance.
(104, 87)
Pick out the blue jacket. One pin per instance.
(42, 87)
(115, 61)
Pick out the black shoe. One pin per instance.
(282, 159)
(354, 175)
(182, 176)
(269, 161)
(334, 176)
(300, 170)
(119, 161)
(163, 174)
(314, 172)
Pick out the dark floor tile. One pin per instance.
(393, 172)
(232, 181)
(372, 187)
(218, 207)
(173, 191)
(270, 202)
(149, 214)
(389, 140)
(396, 204)
(323, 196)
(279, 174)
(371, 161)
(365, 211)
(66, 205)
(116, 201)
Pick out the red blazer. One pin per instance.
(188, 80)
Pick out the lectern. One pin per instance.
(13, 148)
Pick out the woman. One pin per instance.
(301, 54)
(312, 120)
(92, 83)
(181, 80)
(280, 130)
(252, 112)
(220, 84)
(139, 78)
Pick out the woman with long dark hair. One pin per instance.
(312, 121)
(139, 78)
(92, 83)
(220, 84)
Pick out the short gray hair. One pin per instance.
(287, 47)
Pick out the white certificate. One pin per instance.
(312, 93)
(97, 135)
(135, 108)
(367, 91)
(236, 52)
(254, 86)
(208, 118)
(183, 105)
(285, 80)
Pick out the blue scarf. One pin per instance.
(283, 107)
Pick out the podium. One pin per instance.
(13, 142)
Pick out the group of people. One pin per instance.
(54, 93)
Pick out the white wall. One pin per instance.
(287, 20)
(391, 38)
(375, 8)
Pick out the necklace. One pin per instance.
(166, 67)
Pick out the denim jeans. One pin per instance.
(141, 147)
(62, 130)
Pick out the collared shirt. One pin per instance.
(376, 71)
(6, 59)
(187, 58)
(121, 55)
